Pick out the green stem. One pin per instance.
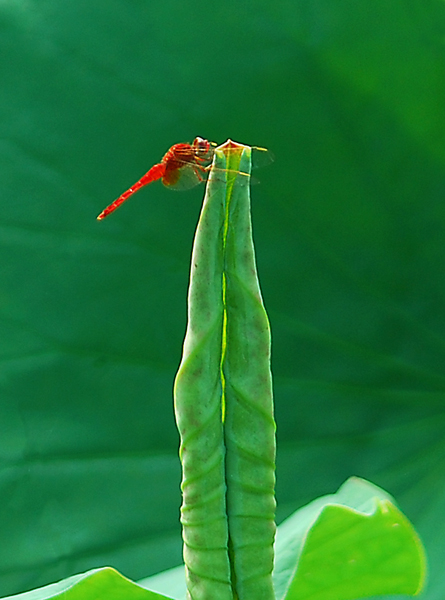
(223, 401)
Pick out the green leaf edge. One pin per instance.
(98, 584)
(361, 500)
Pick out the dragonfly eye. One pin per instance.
(202, 147)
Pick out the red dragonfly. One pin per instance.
(182, 167)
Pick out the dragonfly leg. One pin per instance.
(199, 169)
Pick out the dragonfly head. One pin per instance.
(203, 148)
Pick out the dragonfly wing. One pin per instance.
(185, 177)
(261, 157)
(224, 174)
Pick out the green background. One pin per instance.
(349, 225)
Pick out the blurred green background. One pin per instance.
(349, 225)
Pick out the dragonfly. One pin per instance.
(182, 167)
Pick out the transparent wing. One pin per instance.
(191, 174)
